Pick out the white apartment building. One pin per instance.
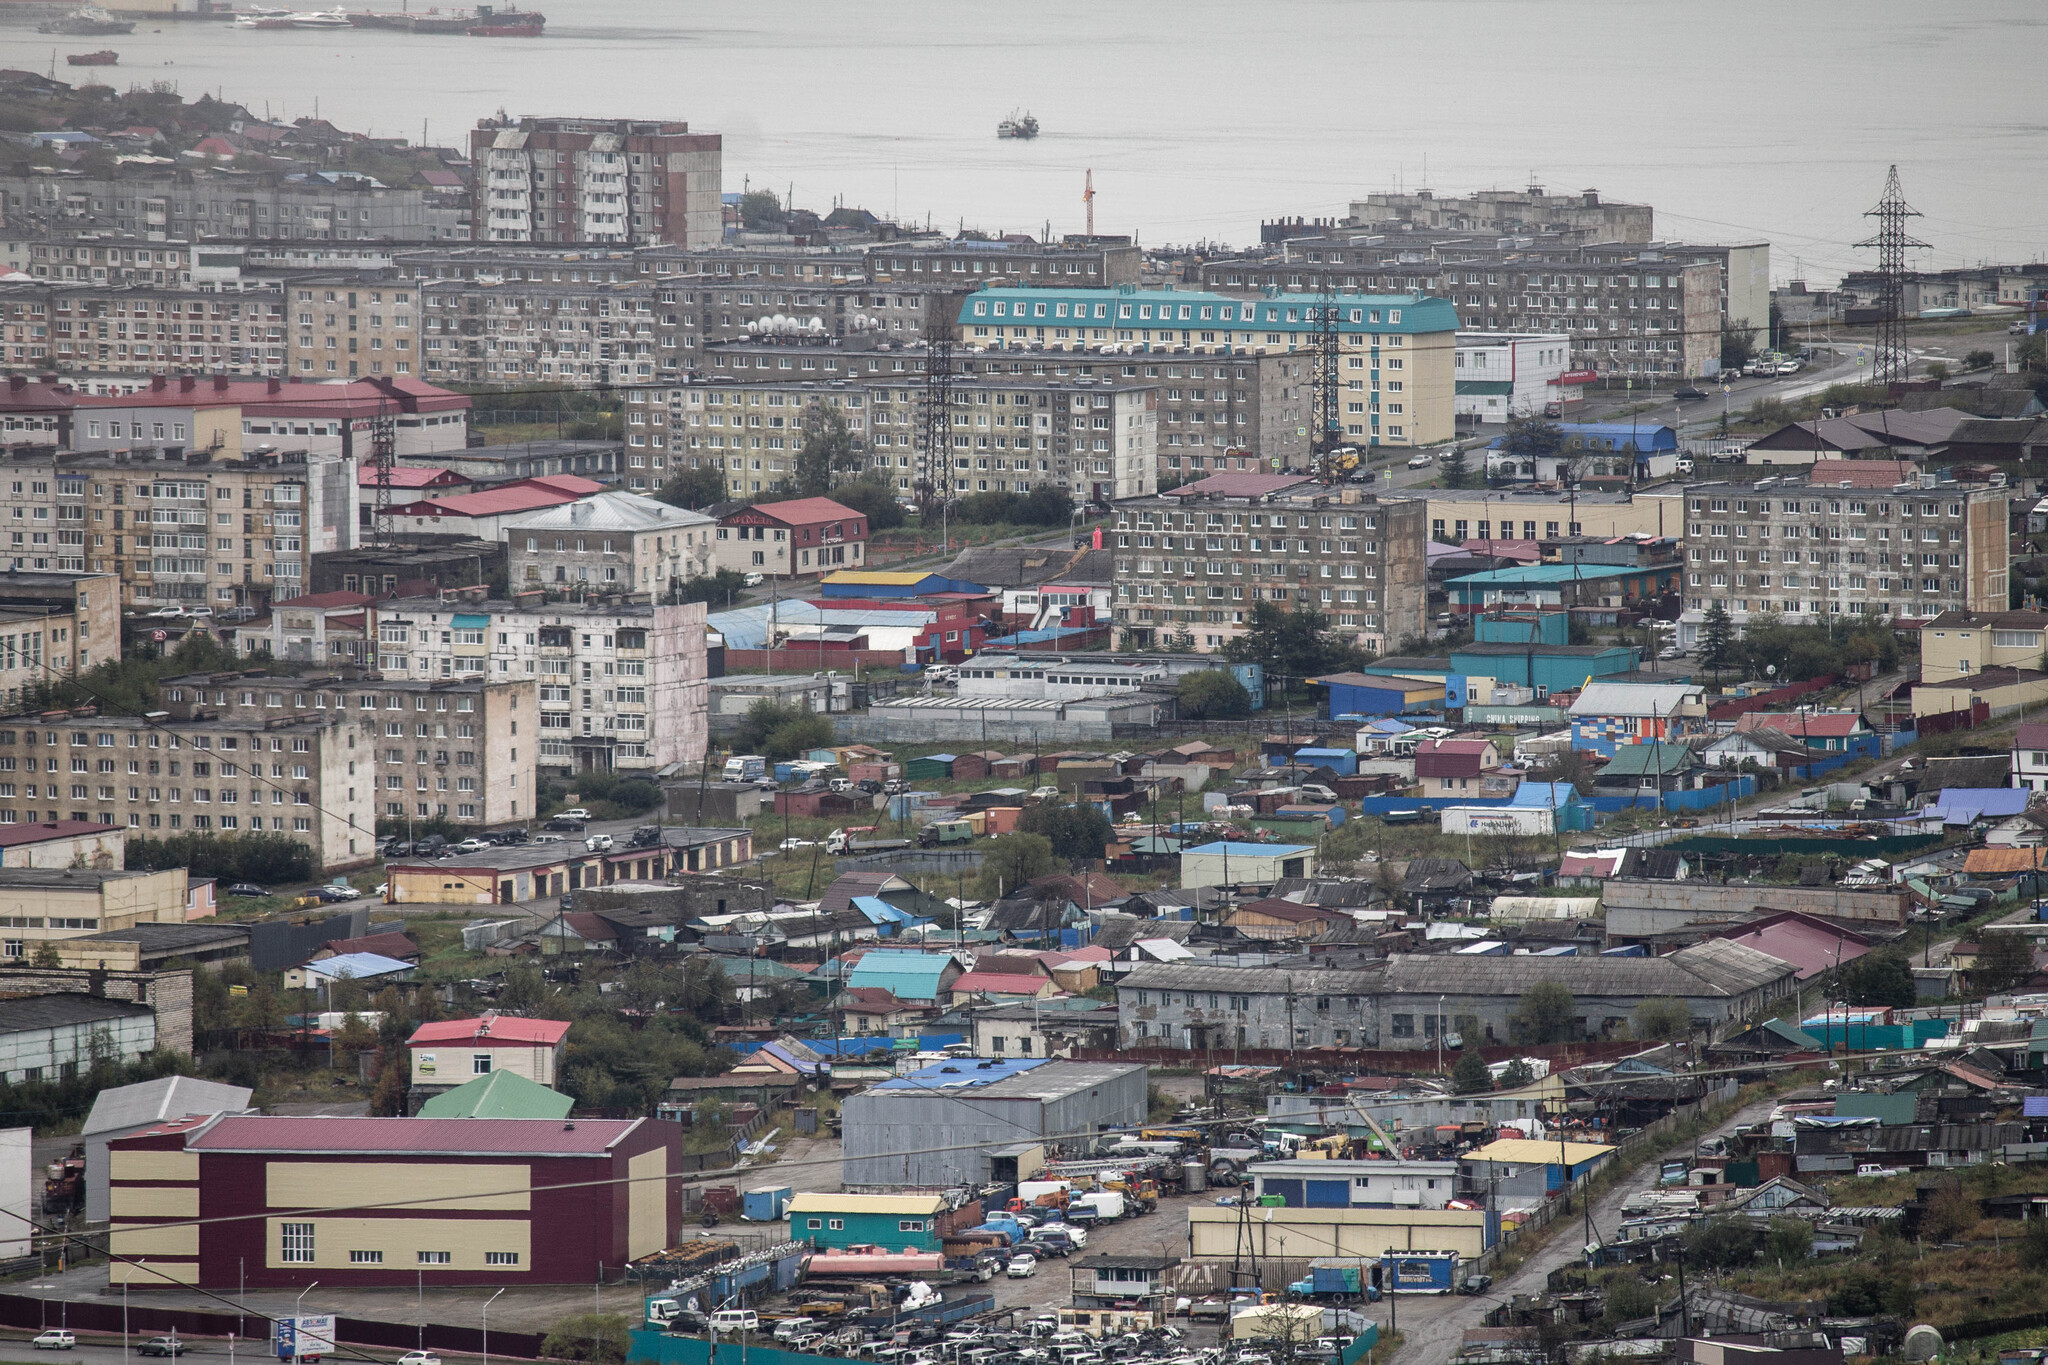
(1498, 375)
(621, 686)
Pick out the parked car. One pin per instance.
(1022, 1267)
(735, 1320)
(419, 1358)
(1671, 652)
(167, 613)
(1475, 1284)
(55, 1340)
(1420, 461)
(598, 843)
(2018, 329)
(1689, 394)
(792, 845)
(753, 580)
(549, 839)
(333, 894)
(473, 845)
(1790, 367)
(573, 813)
(161, 1346)
(246, 889)
(566, 824)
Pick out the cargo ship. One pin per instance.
(90, 19)
(485, 21)
(104, 57)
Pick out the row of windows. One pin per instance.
(296, 1247)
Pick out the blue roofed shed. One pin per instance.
(1343, 761)
(1965, 806)
(1367, 694)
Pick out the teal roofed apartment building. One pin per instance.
(1397, 368)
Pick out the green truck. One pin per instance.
(945, 832)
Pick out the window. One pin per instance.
(501, 1258)
(366, 1258)
(434, 1257)
(297, 1243)
(814, 1223)
(480, 1064)
(910, 1225)
(836, 1225)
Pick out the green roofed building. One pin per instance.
(499, 1095)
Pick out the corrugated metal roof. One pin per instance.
(424, 1136)
(505, 1030)
(500, 1095)
(1635, 699)
(1529, 1151)
(126, 1106)
(814, 1201)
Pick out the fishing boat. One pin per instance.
(1018, 125)
(326, 18)
(89, 19)
(104, 57)
(507, 23)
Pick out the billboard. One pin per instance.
(308, 1336)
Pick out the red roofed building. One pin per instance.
(448, 1052)
(486, 515)
(322, 419)
(795, 539)
(970, 986)
(340, 1200)
(62, 843)
(1832, 731)
(408, 483)
(1452, 765)
(321, 628)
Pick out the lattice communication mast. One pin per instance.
(1327, 418)
(384, 456)
(1890, 359)
(935, 417)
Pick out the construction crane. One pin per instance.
(1088, 198)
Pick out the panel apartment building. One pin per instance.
(619, 181)
(186, 531)
(462, 748)
(162, 775)
(1191, 562)
(621, 686)
(1584, 215)
(1398, 350)
(54, 625)
(1810, 548)
(192, 204)
(82, 329)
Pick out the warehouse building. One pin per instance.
(126, 1109)
(292, 1200)
(59, 1037)
(978, 1105)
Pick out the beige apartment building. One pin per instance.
(1456, 515)
(1958, 644)
(187, 531)
(1191, 563)
(351, 328)
(82, 330)
(1809, 552)
(49, 903)
(162, 775)
(54, 624)
(462, 748)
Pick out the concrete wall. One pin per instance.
(1302, 1234)
(169, 993)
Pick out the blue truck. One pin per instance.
(1339, 1279)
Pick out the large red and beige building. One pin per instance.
(796, 539)
(623, 181)
(366, 1202)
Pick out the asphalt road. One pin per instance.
(1433, 1328)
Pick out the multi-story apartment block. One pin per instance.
(349, 327)
(185, 416)
(751, 430)
(1095, 262)
(457, 748)
(184, 530)
(1603, 296)
(1457, 515)
(583, 331)
(610, 543)
(1191, 562)
(53, 625)
(1503, 212)
(1504, 374)
(596, 180)
(304, 777)
(621, 686)
(81, 330)
(110, 260)
(191, 205)
(1813, 550)
(1397, 350)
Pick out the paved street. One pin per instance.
(1434, 1327)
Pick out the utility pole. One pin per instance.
(1889, 360)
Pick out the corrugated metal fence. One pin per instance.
(21, 1311)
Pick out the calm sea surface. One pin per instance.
(1738, 119)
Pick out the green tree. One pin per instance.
(1661, 1019)
(1516, 1074)
(1722, 1243)
(2034, 1244)
(1788, 1239)
(779, 730)
(1076, 830)
(694, 489)
(1457, 472)
(761, 211)
(1547, 1013)
(2003, 961)
(1470, 1076)
(715, 590)
(873, 499)
(1531, 438)
(827, 451)
(352, 1039)
(394, 1079)
(1293, 644)
(46, 954)
(1212, 694)
(1717, 637)
(600, 1339)
(1979, 360)
(1937, 371)
(1047, 504)
(1864, 1292)
(1738, 344)
(261, 1009)
(1012, 860)
(1878, 979)
(1629, 1299)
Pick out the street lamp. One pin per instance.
(302, 1296)
(487, 1326)
(43, 1308)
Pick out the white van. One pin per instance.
(735, 1320)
